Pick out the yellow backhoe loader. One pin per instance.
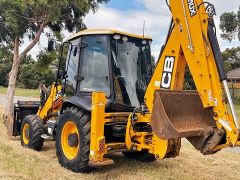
(107, 98)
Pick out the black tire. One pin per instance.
(81, 120)
(36, 129)
(142, 156)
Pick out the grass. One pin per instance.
(22, 92)
(17, 162)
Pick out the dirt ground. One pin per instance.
(17, 162)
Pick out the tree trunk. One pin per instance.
(8, 110)
(17, 59)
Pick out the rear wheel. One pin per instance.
(142, 156)
(73, 140)
(31, 130)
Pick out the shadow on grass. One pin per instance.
(130, 166)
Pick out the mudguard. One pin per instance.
(83, 102)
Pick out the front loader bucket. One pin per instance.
(178, 114)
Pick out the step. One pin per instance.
(105, 162)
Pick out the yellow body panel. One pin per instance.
(138, 141)
(97, 143)
(54, 95)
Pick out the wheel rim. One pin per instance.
(26, 133)
(69, 129)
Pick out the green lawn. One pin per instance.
(22, 92)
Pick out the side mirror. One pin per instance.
(50, 45)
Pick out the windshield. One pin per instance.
(94, 65)
(132, 70)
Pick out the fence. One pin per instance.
(235, 92)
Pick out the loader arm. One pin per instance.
(52, 103)
(200, 116)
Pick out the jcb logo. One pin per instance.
(167, 72)
(192, 8)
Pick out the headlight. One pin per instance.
(125, 38)
(116, 37)
(144, 42)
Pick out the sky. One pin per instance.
(129, 16)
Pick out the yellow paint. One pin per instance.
(69, 152)
(47, 107)
(26, 137)
(105, 31)
(138, 141)
(97, 127)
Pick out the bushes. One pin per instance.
(31, 72)
(30, 76)
(4, 70)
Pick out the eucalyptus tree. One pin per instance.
(20, 19)
(230, 25)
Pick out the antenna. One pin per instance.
(143, 28)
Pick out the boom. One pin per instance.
(192, 42)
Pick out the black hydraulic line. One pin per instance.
(167, 3)
(216, 50)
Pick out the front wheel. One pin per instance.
(73, 140)
(31, 130)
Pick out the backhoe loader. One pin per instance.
(107, 98)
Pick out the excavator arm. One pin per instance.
(201, 116)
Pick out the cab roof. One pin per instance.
(105, 31)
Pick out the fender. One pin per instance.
(83, 102)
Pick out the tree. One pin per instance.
(230, 25)
(39, 70)
(39, 76)
(29, 18)
(5, 64)
(231, 58)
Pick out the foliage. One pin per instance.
(153, 62)
(21, 18)
(230, 25)
(30, 76)
(45, 59)
(231, 58)
(5, 64)
(31, 73)
(188, 80)
(5, 68)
